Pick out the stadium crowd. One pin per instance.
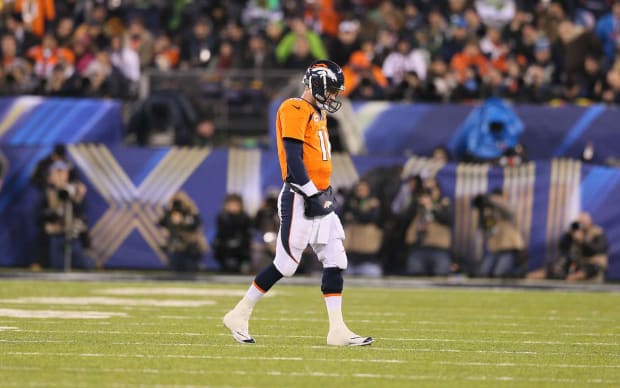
(415, 50)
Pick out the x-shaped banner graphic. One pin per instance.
(133, 207)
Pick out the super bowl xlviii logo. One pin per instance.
(132, 207)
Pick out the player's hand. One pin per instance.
(318, 205)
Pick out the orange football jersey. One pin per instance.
(298, 119)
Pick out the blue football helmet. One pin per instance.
(325, 77)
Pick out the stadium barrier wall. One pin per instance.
(380, 127)
(128, 187)
(39, 121)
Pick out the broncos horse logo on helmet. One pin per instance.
(325, 80)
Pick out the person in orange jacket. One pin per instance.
(470, 57)
(359, 68)
(36, 13)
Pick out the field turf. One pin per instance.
(169, 334)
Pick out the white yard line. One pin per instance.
(97, 300)
(201, 357)
(400, 339)
(44, 314)
(276, 373)
(522, 364)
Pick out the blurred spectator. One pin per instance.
(611, 92)
(549, 14)
(360, 215)
(63, 82)
(24, 38)
(410, 89)
(64, 31)
(495, 14)
(226, 57)
(360, 72)
(469, 61)
(402, 210)
(440, 83)
(185, 241)
(300, 42)
(62, 216)
(36, 14)
(503, 242)
(39, 176)
(577, 43)
(456, 40)
(437, 33)
(103, 79)
(125, 59)
(403, 60)
(140, 40)
(198, 48)
(83, 54)
(206, 134)
(258, 54)
(161, 111)
(47, 55)
(301, 55)
(593, 79)
(166, 54)
(346, 42)
(608, 32)
(429, 235)
(583, 253)
(233, 236)
(9, 52)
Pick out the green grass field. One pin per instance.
(161, 334)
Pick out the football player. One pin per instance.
(305, 204)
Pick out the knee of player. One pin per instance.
(287, 270)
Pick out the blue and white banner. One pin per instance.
(128, 187)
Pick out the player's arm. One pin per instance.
(297, 174)
(317, 203)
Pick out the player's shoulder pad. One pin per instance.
(295, 104)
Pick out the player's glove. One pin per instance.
(319, 204)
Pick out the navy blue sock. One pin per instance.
(332, 281)
(267, 278)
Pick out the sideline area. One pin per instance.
(385, 282)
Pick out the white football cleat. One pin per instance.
(238, 326)
(347, 338)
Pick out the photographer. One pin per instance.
(429, 235)
(360, 213)
(504, 243)
(185, 243)
(583, 253)
(63, 219)
(233, 236)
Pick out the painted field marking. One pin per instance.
(320, 374)
(439, 340)
(522, 364)
(109, 301)
(322, 347)
(185, 291)
(201, 357)
(44, 314)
